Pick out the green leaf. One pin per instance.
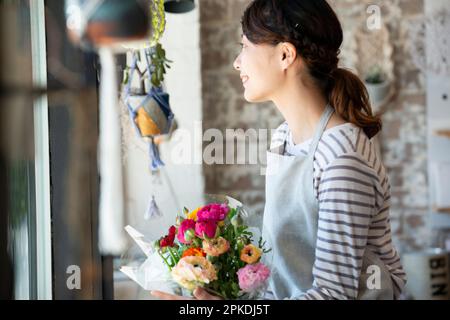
(125, 78)
(154, 80)
(172, 256)
(231, 214)
(159, 51)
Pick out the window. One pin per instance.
(48, 158)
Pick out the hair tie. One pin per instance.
(333, 72)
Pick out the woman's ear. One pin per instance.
(288, 54)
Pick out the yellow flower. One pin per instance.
(193, 214)
(250, 254)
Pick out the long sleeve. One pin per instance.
(347, 202)
(352, 187)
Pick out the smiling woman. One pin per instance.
(282, 125)
(327, 195)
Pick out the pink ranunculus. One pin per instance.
(252, 276)
(207, 228)
(213, 211)
(215, 247)
(185, 226)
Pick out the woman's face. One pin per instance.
(260, 70)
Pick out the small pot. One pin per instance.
(150, 118)
(378, 92)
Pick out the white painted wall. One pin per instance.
(183, 83)
(438, 113)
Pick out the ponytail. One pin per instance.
(350, 99)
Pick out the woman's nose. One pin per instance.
(236, 64)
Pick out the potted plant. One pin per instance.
(377, 84)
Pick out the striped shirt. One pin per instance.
(353, 190)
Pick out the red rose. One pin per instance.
(168, 240)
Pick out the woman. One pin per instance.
(327, 193)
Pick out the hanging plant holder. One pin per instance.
(149, 112)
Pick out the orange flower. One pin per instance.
(250, 254)
(197, 252)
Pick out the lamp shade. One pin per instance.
(94, 23)
(178, 6)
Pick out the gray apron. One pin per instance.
(290, 224)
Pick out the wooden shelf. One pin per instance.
(443, 133)
(441, 210)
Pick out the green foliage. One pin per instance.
(375, 75)
(158, 20)
(155, 53)
(159, 63)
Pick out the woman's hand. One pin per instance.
(199, 294)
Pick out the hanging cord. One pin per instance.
(156, 161)
(172, 190)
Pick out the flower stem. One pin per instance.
(165, 260)
(174, 259)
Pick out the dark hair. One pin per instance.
(314, 29)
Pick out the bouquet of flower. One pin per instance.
(211, 247)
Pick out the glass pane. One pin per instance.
(17, 125)
(22, 228)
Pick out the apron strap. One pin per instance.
(320, 129)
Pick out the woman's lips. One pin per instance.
(244, 79)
